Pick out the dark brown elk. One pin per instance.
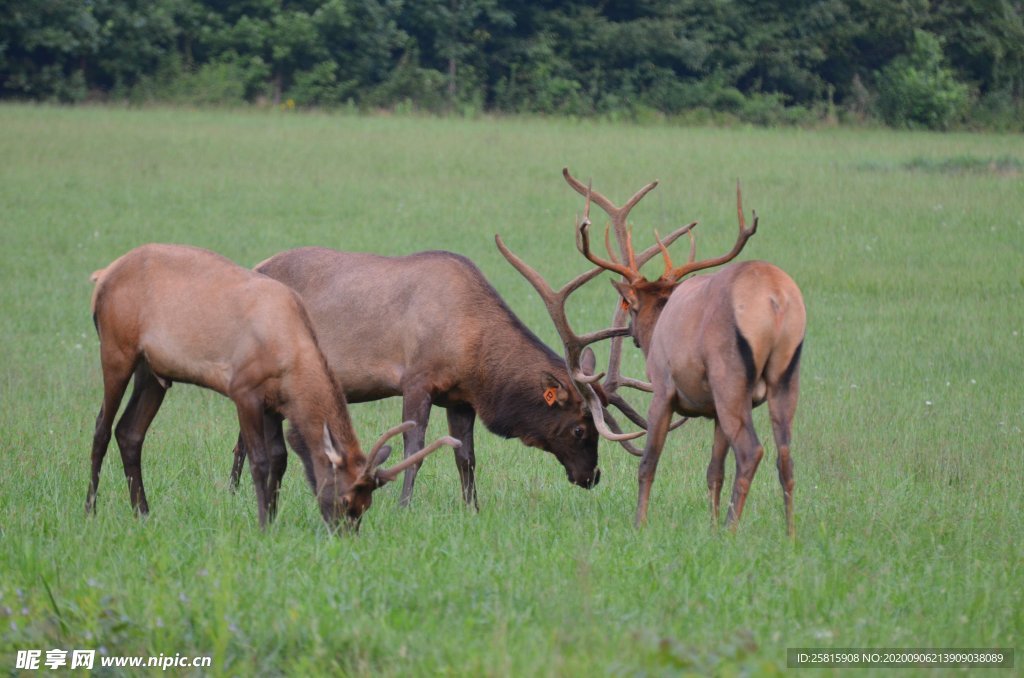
(430, 328)
(171, 313)
(716, 346)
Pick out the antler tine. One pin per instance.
(741, 240)
(626, 445)
(603, 427)
(608, 243)
(389, 474)
(602, 202)
(583, 245)
(664, 248)
(617, 214)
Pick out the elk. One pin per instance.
(430, 328)
(716, 346)
(172, 313)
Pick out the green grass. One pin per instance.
(907, 441)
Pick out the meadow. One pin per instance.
(908, 439)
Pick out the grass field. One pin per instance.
(909, 249)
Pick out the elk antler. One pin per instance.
(382, 476)
(573, 343)
(673, 274)
(380, 452)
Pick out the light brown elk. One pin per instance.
(716, 346)
(171, 313)
(433, 330)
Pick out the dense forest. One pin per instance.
(914, 63)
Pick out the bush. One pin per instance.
(917, 90)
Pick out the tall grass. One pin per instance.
(907, 441)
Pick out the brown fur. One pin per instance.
(172, 313)
(430, 328)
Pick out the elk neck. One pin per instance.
(509, 393)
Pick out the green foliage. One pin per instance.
(918, 90)
(768, 62)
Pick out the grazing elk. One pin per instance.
(430, 328)
(168, 313)
(716, 346)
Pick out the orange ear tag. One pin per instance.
(550, 396)
(625, 305)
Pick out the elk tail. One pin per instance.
(96, 278)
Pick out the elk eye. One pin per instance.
(579, 432)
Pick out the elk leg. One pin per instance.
(748, 451)
(147, 396)
(415, 407)
(116, 374)
(238, 464)
(250, 419)
(460, 426)
(298, 444)
(782, 406)
(658, 417)
(273, 434)
(716, 471)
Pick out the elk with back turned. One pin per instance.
(716, 346)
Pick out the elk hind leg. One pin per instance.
(147, 396)
(460, 426)
(782, 406)
(736, 420)
(117, 372)
(716, 471)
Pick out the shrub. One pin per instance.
(918, 90)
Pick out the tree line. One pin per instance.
(917, 63)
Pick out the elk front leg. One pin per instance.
(460, 426)
(658, 417)
(250, 420)
(716, 471)
(147, 396)
(415, 407)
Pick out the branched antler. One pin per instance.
(575, 344)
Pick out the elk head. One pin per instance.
(345, 491)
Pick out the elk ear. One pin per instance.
(588, 361)
(627, 293)
(336, 459)
(554, 391)
(382, 456)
